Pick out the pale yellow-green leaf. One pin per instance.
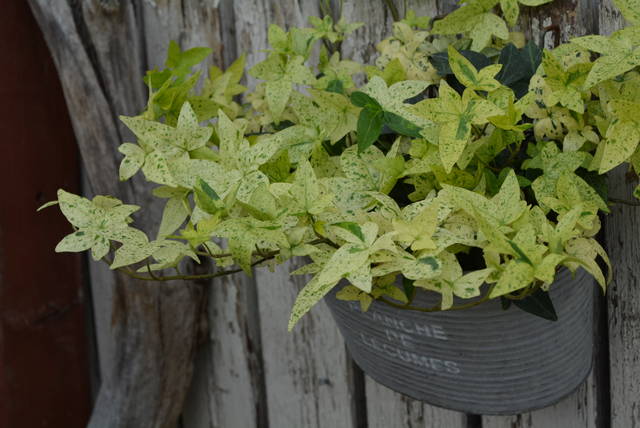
(418, 232)
(516, 276)
(75, 242)
(351, 293)
(278, 92)
(174, 214)
(469, 76)
(621, 141)
(468, 286)
(348, 258)
(133, 160)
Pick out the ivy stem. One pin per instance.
(625, 202)
(208, 253)
(135, 275)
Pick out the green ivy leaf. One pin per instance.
(538, 304)
(370, 124)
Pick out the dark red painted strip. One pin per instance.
(44, 375)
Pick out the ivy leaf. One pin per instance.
(476, 19)
(392, 99)
(622, 139)
(351, 293)
(565, 86)
(418, 232)
(519, 65)
(280, 75)
(539, 304)
(218, 91)
(516, 276)
(133, 160)
(630, 10)
(400, 125)
(440, 61)
(622, 136)
(182, 61)
(161, 143)
(369, 127)
(344, 115)
(243, 234)
(348, 258)
(353, 228)
(469, 76)
(619, 54)
(456, 115)
(585, 252)
(174, 214)
(554, 164)
(97, 222)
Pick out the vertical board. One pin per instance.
(44, 354)
(227, 387)
(622, 232)
(579, 409)
(307, 372)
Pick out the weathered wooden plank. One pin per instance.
(228, 388)
(621, 233)
(307, 370)
(563, 18)
(154, 326)
(387, 408)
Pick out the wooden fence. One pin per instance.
(249, 371)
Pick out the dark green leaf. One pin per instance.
(595, 180)
(369, 127)
(360, 99)
(431, 261)
(401, 125)
(539, 304)
(208, 190)
(336, 86)
(505, 303)
(493, 187)
(518, 66)
(520, 253)
(409, 289)
(205, 197)
(440, 61)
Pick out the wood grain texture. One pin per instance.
(307, 370)
(228, 382)
(307, 377)
(622, 231)
(387, 408)
(96, 46)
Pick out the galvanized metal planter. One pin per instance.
(482, 360)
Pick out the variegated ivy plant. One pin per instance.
(468, 158)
